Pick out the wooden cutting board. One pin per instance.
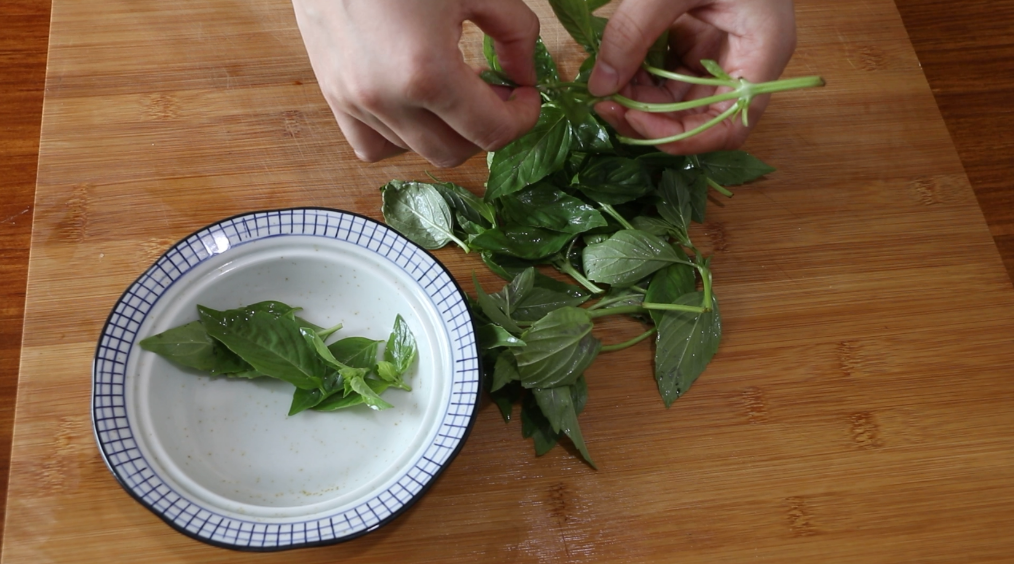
(857, 411)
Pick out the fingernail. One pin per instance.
(603, 80)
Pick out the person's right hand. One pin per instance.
(393, 74)
(751, 39)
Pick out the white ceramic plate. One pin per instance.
(219, 459)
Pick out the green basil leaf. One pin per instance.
(591, 135)
(505, 371)
(535, 425)
(558, 348)
(401, 347)
(531, 157)
(357, 352)
(545, 67)
(657, 161)
(492, 309)
(189, 345)
(496, 78)
(698, 187)
(730, 168)
(614, 180)
(419, 212)
(627, 257)
(668, 285)
(540, 301)
(272, 345)
(715, 69)
(491, 336)
(543, 205)
(676, 206)
(489, 52)
(370, 397)
(507, 299)
(557, 404)
(522, 241)
(505, 398)
(304, 399)
(575, 15)
(338, 401)
(466, 204)
(653, 225)
(685, 344)
(659, 51)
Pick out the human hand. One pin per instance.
(751, 39)
(393, 74)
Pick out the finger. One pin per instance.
(368, 145)
(631, 30)
(514, 29)
(434, 140)
(475, 112)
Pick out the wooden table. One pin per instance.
(965, 52)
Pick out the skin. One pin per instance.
(751, 39)
(386, 66)
(393, 75)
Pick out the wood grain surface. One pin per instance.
(822, 430)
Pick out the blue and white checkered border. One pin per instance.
(116, 437)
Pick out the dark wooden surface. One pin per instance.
(965, 48)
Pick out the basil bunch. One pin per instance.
(612, 216)
(267, 339)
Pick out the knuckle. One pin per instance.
(364, 96)
(421, 85)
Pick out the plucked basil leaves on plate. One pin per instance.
(267, 339)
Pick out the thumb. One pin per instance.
(514, 28)
(627, 38)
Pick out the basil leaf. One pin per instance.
(544, 206)
(419, 212)
(304, 399)
(338, 401)
(658, 53)
(627, 257)
(614, 180)
(715, 69)
(676, 206)
(545, 67)
(590, 135)
(658, 160)
(272, 345)
(540, 301)
(522, 241)
(685, 344)
(535, 425)
(492, 310)
(507, 299)
(733, 167)
(491, 336)
(557, 404)
(698, 187)
(370, 397)
(531, 157)
(505, 371)
(400, 349)
(496, 78)
(466, 204)
(489, 52)
(575, 15)
(505, 398)
(357, 352)
(653, 225)
(668, 285)
(558, 348)
(189, 345)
